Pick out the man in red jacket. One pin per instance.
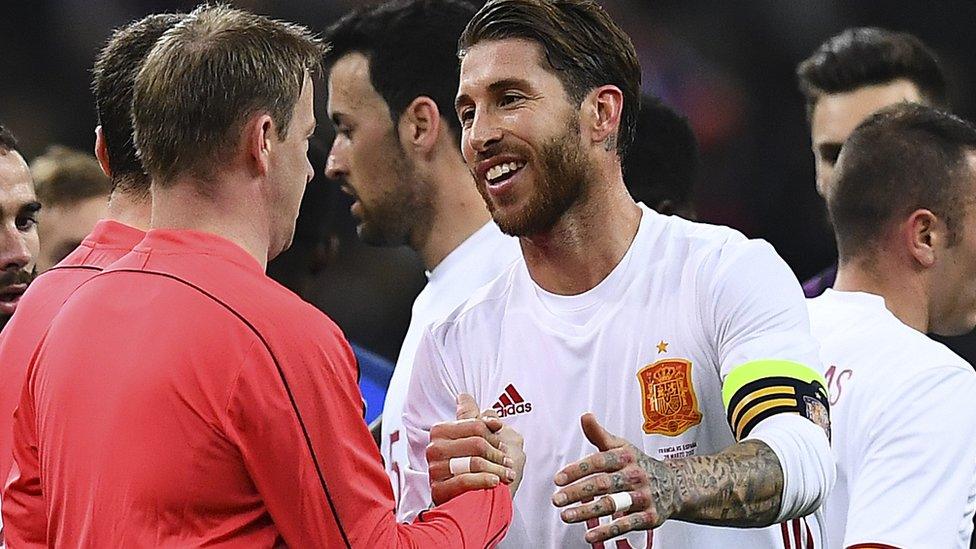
(115, 70)
(182, 397)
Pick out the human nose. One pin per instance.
(483, 132)
(14, 253)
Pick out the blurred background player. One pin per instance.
(128, 215)
(392, 77)
(655, 324)
(267, 411)
(903, 205)
(19, 209)
(18, 252)
(661, 167)
(74, 192)
(852, 75)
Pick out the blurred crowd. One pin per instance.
(729, 67)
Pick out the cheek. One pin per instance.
(33, 244)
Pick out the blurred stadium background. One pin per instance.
(728, 66)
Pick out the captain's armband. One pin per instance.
(763, 388)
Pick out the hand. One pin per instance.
(618, 467)
(470, 436)
(511, 443)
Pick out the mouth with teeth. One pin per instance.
(499, 174)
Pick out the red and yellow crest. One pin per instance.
(670, 406)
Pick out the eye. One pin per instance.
(466, 115)
(509, 99)
(26, 222)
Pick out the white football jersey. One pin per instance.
(474, 263)
(646, 350)
(903, 421)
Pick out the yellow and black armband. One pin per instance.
(763, 388)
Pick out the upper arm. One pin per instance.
(430, 399)
(912, 486)
(769, 361)
(296, 417)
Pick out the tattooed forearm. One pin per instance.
(741, 486)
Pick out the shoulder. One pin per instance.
(485, 307)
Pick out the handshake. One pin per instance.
(477, 451)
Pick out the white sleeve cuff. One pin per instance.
(805, 457)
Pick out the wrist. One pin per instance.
(679, 493)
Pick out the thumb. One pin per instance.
(467, 408)
(597, 435)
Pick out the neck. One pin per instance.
(226, 210)
(903, 295)
(587, 242)
(129, 209)
(457, 211)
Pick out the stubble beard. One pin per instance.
(402, 213)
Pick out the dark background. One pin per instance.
(727, 65)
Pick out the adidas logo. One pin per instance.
(511, 403)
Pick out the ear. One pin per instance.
(925, 235)
(420, 125)
(101, 151)
(602, 109)
(259, 137)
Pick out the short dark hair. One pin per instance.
(64, 176)
(411, 48)
(866, 56)
(902, 158)
(114, 74)
(205, 76)
(583, 46)
(662, 163)
(7, 141)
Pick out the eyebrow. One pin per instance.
(31, 207)
(494, 87)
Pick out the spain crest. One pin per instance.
(669, 402)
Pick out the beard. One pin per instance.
(401, 214)
(11, 277)
(562, 172)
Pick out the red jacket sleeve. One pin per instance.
(24, 508)
(296, 414)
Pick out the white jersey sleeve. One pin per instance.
(915, 482)
(770, 367)
(431, 399)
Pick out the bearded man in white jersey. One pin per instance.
(392, 76)
(689, 341)
(903, 209)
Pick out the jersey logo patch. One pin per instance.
(511, 403)
(669, 402)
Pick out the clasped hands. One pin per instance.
(619, 480)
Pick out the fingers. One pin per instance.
(441, 470)
(597, 435)
(485, 458)
(603, 462)
(628, 478)
(467, 407)
(442, 491)
(645, 520)
(464, 428)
